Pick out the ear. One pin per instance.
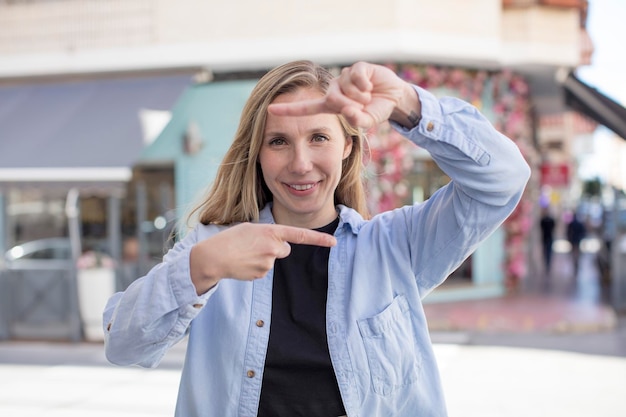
(348, 146)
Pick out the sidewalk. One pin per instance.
(69, 390)
(564, 302)
(555, 313)
(521, 314)
(61, 380)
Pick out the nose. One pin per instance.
(301, 161)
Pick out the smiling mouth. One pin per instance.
(301, 187)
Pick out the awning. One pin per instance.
(208, 115)
(590, 102)
(87, 130)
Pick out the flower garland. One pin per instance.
(504, 98)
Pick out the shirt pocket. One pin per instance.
(390, 346)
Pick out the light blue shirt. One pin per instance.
(378, 273)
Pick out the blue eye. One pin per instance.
(320, 138)
(277, 141)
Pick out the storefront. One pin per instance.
(67, 148)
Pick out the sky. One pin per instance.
(606, 25)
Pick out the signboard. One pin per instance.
(556, 175)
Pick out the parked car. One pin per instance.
(49, 253)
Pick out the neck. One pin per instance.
(312, 221)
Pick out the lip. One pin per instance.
(301, 189)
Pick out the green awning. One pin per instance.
(207, 116)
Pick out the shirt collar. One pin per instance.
(350, 218)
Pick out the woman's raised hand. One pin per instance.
(365, 94)
(247, 251)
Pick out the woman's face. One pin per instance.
(301, 160)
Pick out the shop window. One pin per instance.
(148, 215)
(34, 213)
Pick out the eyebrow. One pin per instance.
(322, 129)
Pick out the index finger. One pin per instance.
(303, 236)
(299, 108)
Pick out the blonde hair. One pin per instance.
(239, 191)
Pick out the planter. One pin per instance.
(95, 287)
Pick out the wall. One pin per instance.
(78, 36)
(539, 35)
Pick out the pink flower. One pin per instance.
(93, 259)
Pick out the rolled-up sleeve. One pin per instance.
(487, 165)
(488, 177)
(154, 312)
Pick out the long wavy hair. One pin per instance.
(239, 191)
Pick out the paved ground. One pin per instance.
(58, 380)
(601, 343)
(560, 311)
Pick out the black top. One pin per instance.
(547, 228)
(298, 379)
(575, 231)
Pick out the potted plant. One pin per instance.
(96, 283)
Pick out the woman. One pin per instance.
(294, 303)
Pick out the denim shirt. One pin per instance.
(378, 273)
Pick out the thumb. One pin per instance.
(284, 251)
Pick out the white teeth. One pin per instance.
(302, 187)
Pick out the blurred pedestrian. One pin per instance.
(547, 224)
(576, 232)
(295, 302)
(604, 255)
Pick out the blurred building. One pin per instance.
(133, 103)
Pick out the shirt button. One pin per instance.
(197, 306)
(430, 126)
(250, 374)
(108, 327)
(260, 323)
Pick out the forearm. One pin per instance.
(488, 175)
(152, 314)
(485, 164)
